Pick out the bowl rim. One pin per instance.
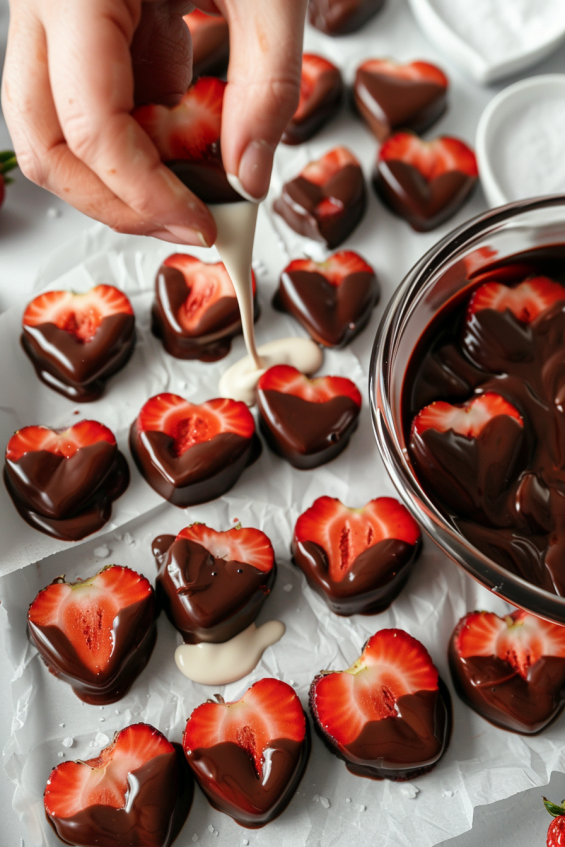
(502, 582)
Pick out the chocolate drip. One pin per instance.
(388, 103)
(340, 17)
(206, 178)
(323, 103)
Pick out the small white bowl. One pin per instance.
(518, 153)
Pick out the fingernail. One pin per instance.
(164, 235)
(255, 170)
(188, 235)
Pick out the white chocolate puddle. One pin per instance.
(236, 224)
(220, 664)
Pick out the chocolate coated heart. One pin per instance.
(339, 17)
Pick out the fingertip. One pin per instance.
(254, 172)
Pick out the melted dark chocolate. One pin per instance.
(210, 47)
(158, 801)
(226, 773)
(207, 598)
(340, 17)
(333, 315)
(372, 582)
(323, 103)
(203, 472)
(76, 369)
(306, 434)
(423, 204)
(300, 199)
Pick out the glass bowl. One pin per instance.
(435, 279)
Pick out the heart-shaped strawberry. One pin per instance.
(390, 96)
(357, 559)
(333, 299)
(249, 756)
(327, 200)
(78, 341)
(195, 312)
(340, 17)
(510, 670)
(424, 182)
(138, 791)
(210, 43)
(63, 482)
(187, 137)
(389, 715)
(213, 584)
(307, 421)
(321, 93)
(97, 634)
(193, 453)
(469, 455)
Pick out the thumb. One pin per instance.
(263, 87)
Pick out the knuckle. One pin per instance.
(32, 166)
(81, 136)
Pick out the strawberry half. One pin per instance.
(386, 715)
(240, 544)
(7, 163)
(322, 170)
(248, 756)
(333, 299)
(66, 442)
(526, 301)
(307, 421)
(510, 670)
(336, 17)
(77, 341)
(468, 419)
(93, 802)
(96, 634)
(424, 181)
(357, 559)
(192, 453)
(210, 43)
(187, 137)
(321, 92)
(391, 96)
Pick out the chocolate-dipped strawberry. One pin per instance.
(193, 453)
(469, 454)
(327, 199)
(187, 137)
(195, 312)
(321, 93)
(249, 756)
(210, 43)
(76, 342)
(358, 560)
(340, 17)
(63, 482)
(424, 182)
(510, 670)
(389, 715)
(97, 634)
(307, 421)
(333, 300)
(138, 791)
(213, 584)
(391, 96)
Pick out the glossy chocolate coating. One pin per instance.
(67, 498)
(300, 199)
(340, 17)
(159, 798)
(210, 47)
(207, 179)
(323, 103)
(203, 472)
(226, 773)
(510, 497)
(212, 338)
(333, 315)
(423, 204)
(401, 747)
(207, 598)
(372, 582)
(388, 103)
(133, 635)
(306, 434)
(76, 369)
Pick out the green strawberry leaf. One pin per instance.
(553, 809)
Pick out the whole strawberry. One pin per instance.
(556, 829)
(7, 163)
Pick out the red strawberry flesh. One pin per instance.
(431, 158)
(322, 170)
(268, 711)
(103, 781)
(335, 268)
(247, 545)
(65, 443)
(288, 380)
(468, 419)
(393, 664)
(411, 72)
(79, 314)
(526, 301)
(313, 66)
(344, 533)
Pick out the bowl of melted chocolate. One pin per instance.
(468, 400)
